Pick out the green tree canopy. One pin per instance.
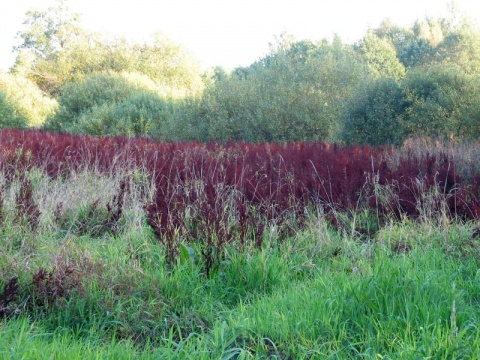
(440, 99)
(374, 115)
(381, 57)
(294, 93)
(461, 48)
(56, 50)
(112, 104)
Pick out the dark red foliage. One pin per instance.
(55, 286)
(26, 206)
(8, 296)
(115, 208)
(216, 194)
(1, 205)
(467, 201)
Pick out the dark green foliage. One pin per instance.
(306, 91)
(8, 296)
(80, 97)
(442, 101)
(438, 102)
(461, 48)
(326, 91)
(300, 91)
(375, 115)
(419, 45)
(437, 98)
(416, 52)
(144, 113)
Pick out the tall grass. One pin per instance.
(295, 252)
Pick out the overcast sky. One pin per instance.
(230, 32)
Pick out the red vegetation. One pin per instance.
(213, 193)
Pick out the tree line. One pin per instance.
(393, 84)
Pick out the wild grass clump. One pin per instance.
(396, 309)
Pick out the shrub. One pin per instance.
(442, 102)
(143, 113)
(374, 115)
(9, 115)
(27, 99)
(112, 104)
(295, 93)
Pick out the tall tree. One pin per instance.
(381, 57)
(47, 32)
(295, 93)
(441, 100)
(461, 47)
(55, 50)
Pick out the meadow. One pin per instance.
(130, 248)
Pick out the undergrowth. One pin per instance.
(121, 264)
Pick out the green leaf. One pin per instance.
(186, 254)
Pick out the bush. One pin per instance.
(112, 104)
(374, 115)
(142, 113)
(9, 116)
(27, 99)
(442, 101)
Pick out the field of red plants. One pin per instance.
(216, 192)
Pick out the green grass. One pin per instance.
(410, 292)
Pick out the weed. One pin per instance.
(26, 206)
(8, 296)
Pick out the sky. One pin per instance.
(230, 33)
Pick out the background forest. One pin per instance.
(393, 84)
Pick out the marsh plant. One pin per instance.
(151, 250)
